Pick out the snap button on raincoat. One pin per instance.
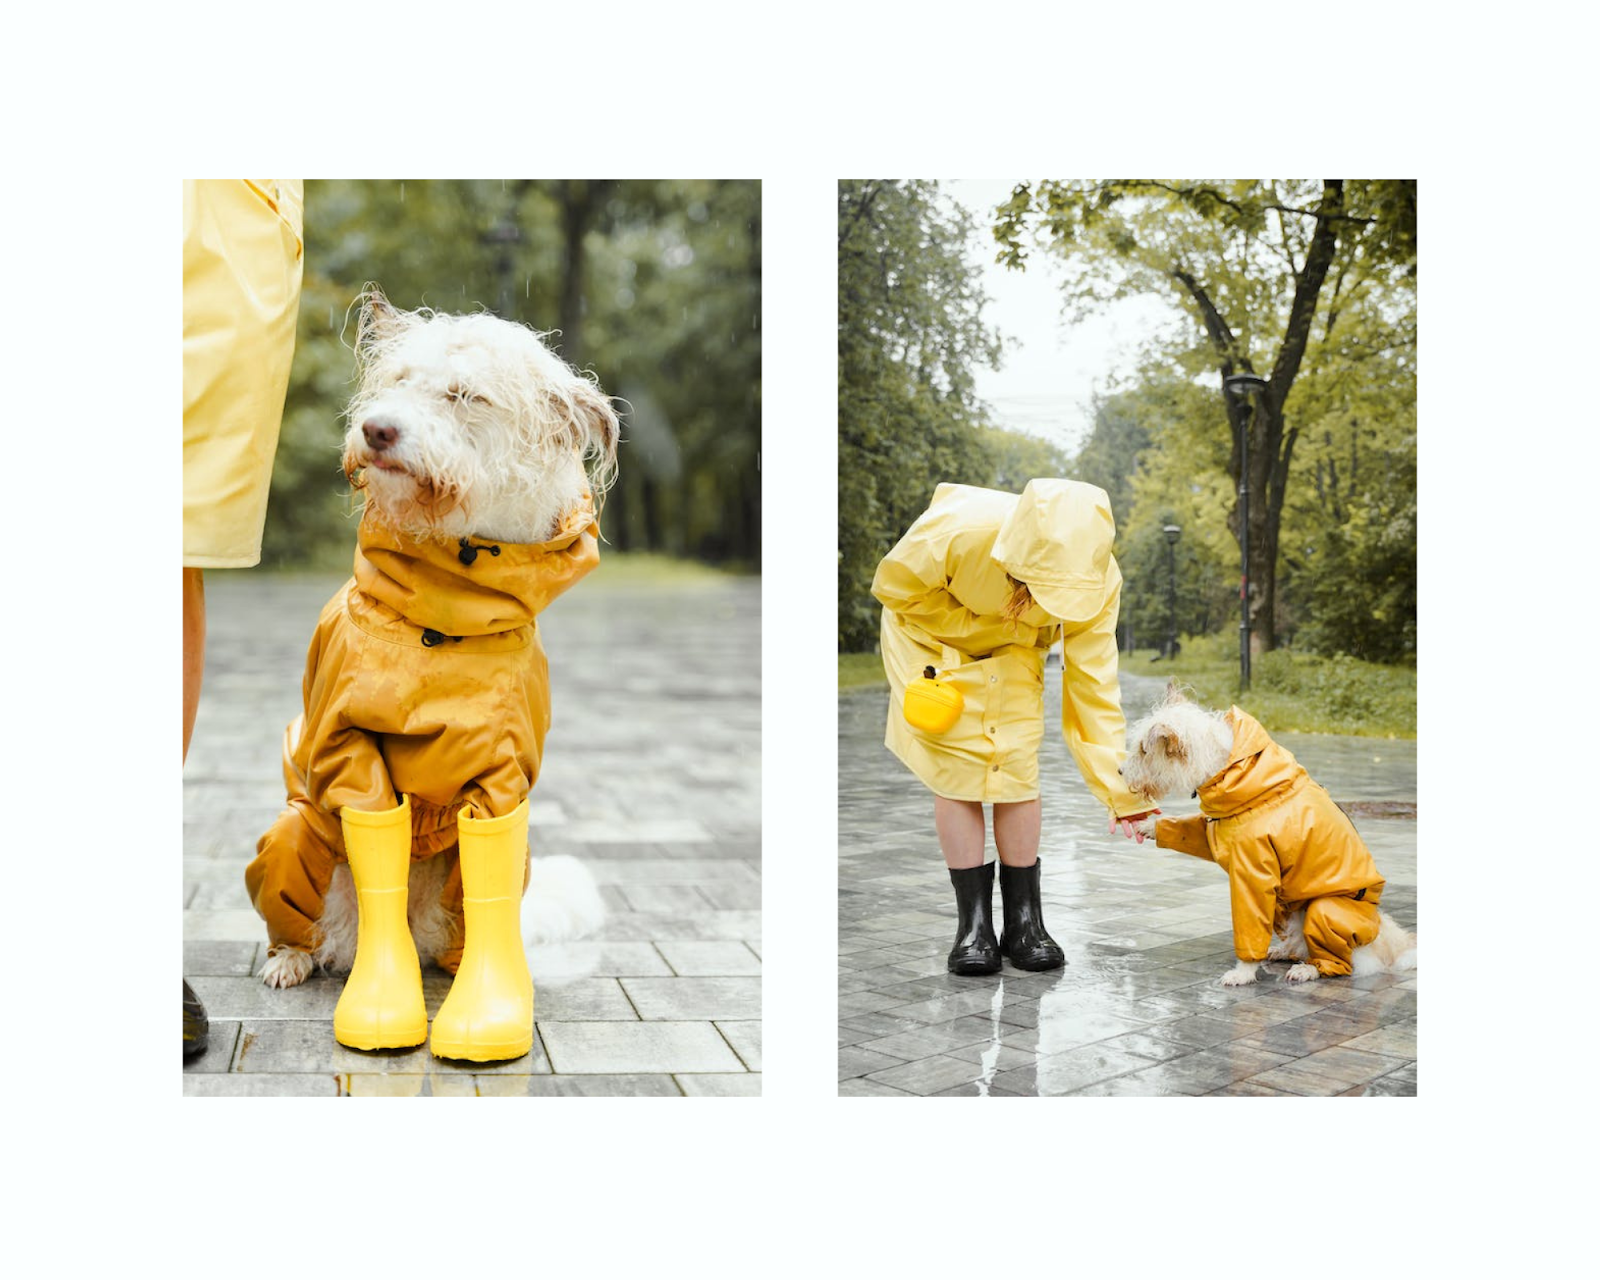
(943, 589)
(242, 260)
(1282, 841)
(425, 677)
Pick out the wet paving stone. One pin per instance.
(1138, 1010)
(675, 849)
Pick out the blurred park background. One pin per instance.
(1309, 285)
(653, 285)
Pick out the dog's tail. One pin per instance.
(562, 904)
(1392, 951)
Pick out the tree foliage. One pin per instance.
(655, 286)
(1313, 284)
(910, 333)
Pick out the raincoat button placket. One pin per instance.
(991, 708)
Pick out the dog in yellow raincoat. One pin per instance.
(426, 697)
(1303, 885)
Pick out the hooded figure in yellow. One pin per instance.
(426, 700)
(1286, 847)
(979, 589)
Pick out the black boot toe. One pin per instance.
(1024, 940)
(976, 951)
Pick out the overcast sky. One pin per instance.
(1051, 371)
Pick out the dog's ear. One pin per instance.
(1170, 742)
(1174, 694)
(594, 427)
(379, 319)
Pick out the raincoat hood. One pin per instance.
(1258, 769)
(474, 587)
(1058, 539)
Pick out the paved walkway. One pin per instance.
(1137, 1010)
(652, 776)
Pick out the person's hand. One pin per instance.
(1136, 826)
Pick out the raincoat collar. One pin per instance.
(1058, 539)
(474, 587)
(1258, 769)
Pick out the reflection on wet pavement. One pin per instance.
(1137, 1010)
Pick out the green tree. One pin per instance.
(1156, 450)
(655, 286)
(910, 333)
(1267, 269)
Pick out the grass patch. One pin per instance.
(616, 568)
(1289, 692)
(861, 671)
(1295, 692)
(631, 568)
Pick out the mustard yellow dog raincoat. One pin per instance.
(425, 678)
(943, 588)
(1285, 845)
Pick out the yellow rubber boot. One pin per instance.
(381, 1006)
(488, 1015)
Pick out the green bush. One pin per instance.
(1294, 691)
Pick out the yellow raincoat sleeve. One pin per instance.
(1185, 835)
(912, 584)
(1091, 707)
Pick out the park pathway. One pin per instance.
(652, 776)
(1137, 1010)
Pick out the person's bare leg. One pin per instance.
(1016, 832)
(961, 833)
(194, 648)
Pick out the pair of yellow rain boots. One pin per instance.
(488, 1015)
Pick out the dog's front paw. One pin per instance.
(1301, 973)
(1241, 975)
(286, 968)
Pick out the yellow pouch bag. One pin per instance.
(932, 705)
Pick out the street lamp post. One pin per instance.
(1244, 385)
(1172, 531)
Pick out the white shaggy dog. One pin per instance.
(465, 427)
(469, 426)
(1287, 848)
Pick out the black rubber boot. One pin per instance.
(975, 951)
(196, 1027)
(1024, 941)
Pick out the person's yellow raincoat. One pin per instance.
(242, 260)
(1285, 845)
(425, 678)
(943, 589)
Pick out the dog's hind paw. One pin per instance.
(1301, 973)
(286, 968)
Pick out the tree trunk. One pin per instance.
(1271, 445)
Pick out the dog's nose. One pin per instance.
(380, 433)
